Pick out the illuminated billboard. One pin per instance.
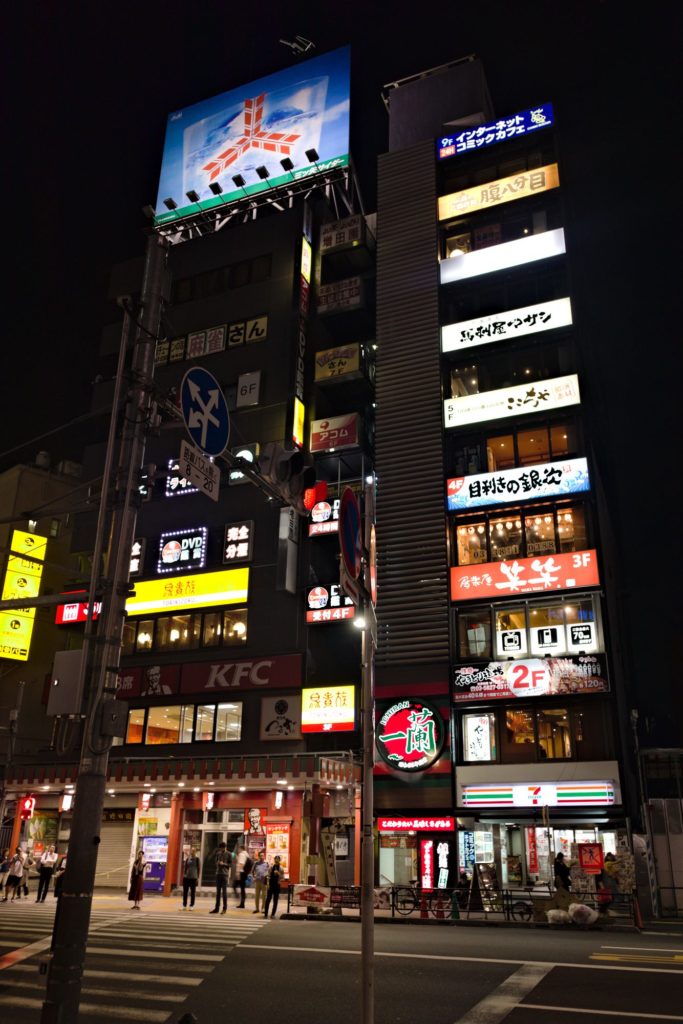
(469, 139)
(304, 107)
(205, 590)
(516, 400)
(545, 480)
(507, 326)
(462, 265)
(544, 794)
(22, 580)
(502, 190)
(542, 574)
(328, 709)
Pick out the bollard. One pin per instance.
(439, 908)
(423, 907)
(455, 907)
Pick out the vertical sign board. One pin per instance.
(22, 580)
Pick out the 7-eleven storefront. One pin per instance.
(280, 805)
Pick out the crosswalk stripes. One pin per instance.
(139, 968)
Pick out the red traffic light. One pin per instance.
(26, 807)
(312, 495)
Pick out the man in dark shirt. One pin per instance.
(223, 861)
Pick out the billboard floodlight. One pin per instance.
(238, 180)
(170, 204)
(287, 164)
(263, 172)
(312, 156)
(192, 196)
(215, 187)
(149, 211)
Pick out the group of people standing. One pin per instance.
(15, 871)
(236, 869)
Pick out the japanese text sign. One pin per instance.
(416, 824)
(507, 326)
(493, 193)
(239, 542)
(525, 576)
(534, 677)
(546, 480)
(22, 580)
(328, 709)
(180, 550)
(410, 735)
(524, 123)
(334, 433)
(230, 586)
(328, 604)
(519, 399)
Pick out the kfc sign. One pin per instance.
(282, 671)
(335, 432)
(525, 576)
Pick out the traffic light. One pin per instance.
(287, 471)
(26, 807)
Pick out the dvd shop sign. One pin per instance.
(324, 518)
(180, 550)
(328, 604)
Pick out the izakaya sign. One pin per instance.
(66, 614)
(525, 576)
(513, 324)
(466, 141)
(410, 735)
(22, 581)
(517, 400)
(184, 593)
(328, 709)
(534, 677)
(545, 794)
(493, 193)
(547, 480)
(284, 115)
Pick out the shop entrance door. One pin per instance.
(211, 838)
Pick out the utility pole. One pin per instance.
(103, 649)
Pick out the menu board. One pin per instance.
(277, 845)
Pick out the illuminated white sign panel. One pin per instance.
(547, 794)
(512, 324)
(546, 480)
(542, 396)
(462, 265)
(177, 484)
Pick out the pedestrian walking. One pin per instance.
(562, 874)
(190, 877)
(5, 861)
(137, 881)
(244, 866)
(274, 878)
(59, 876)
(46, 867)
(260, 881)
(14, 877)
(223, 860)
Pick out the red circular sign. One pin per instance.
(410, 735)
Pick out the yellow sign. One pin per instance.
(206, 590)
(336, 362)
(328, 709)
(22, 580)
(306, 260)
(298, 436)
(504, 190)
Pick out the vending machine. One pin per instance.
(155, 849)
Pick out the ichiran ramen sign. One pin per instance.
(410, 735)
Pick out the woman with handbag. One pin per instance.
(137, 881)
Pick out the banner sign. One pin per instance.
(524, 123)
(204, 590)
(333, 363)
(508, 326)
(22, 580)
(534, 677)
(410, 735)
(546, 480)
(417, 824)
(277, 845)
(335, 432)
(525, 576)
(302, 108)
(517, 400)
(311, 895)
(460, 266)
(182, 549)
(545, 794)
(504, 190)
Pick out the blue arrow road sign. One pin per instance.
(205, 411)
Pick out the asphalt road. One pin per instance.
(159, 964)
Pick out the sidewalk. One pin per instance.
(104, 900)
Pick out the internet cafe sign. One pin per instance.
(546, 480)
(508, 326)
(535, 677)
(543, 396)
(410, 735)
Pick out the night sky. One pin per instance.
(86, 94)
